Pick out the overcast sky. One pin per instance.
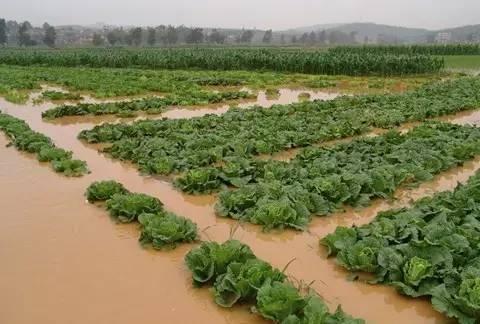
(262, 14)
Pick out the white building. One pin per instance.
(443, 38)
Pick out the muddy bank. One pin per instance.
(66, 261)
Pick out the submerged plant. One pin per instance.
(239, 277)
(304, 96)
(166, 230)
(159, 228)
(210, 260)
(58, 95)
(48, 154)
(70, 168)
(104, 190)
(25, 139)
(277, 301)
(242, 281)
(430, 249)
(199, 181)
(127, 207)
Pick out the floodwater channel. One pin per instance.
(285, 96)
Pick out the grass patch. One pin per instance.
(462, 62)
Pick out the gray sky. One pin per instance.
(262, 14)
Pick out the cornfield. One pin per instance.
(449, 49)
(309, 62)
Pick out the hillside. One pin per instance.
(392, 34)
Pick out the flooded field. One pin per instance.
(66, 261)
(286, 96)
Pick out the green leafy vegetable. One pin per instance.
(242, 281)
(277, 301)
(199, 181)
(127, 207)
(211, 260)
(104, 190)
(159, 228)
(238, 276)
(48, 154)
(25, 139)
(166, 230)
(430, 249)
(70, 168)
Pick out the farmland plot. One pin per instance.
(309, 62)
(428, 250)
(255, 280)
(318, 181)
(169, 146)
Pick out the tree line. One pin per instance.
(24, 34)
(171, 35)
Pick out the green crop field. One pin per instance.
(463, 62)
(234, 163)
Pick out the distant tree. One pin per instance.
(171, 35)
(294, 39)
(135, 36)
(304, 38)
(3, 32)
(182, 33)
(12, 26)
(216, 37)
(366, 40)
(28, 24)
(23, 37)
(97, 40)
(246, 36)
(312, 37)
(267, 37)
(113, 37)
(194, 36)
(160, 33)
(12, 31)
(322, 37)
(282, 38)
(50, 35)
(151, 36)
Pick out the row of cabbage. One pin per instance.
(170, 146)
(25, 139)
(310, 62)
(151, 105)
(236, 274)
(429, 250)
(54, 95)
(447, 49)
(318, 181)
(159, 228)
(239, 277)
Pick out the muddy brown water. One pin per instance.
(286, 96)
(66, 261)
